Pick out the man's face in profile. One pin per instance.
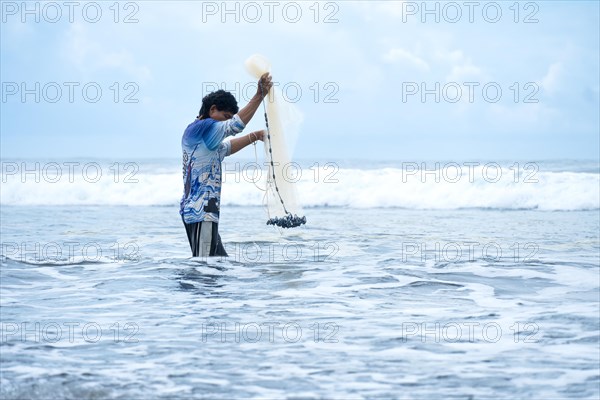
(219, 115)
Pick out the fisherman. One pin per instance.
(203, 151)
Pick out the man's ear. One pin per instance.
(212, 109)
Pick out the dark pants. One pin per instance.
(204, 239)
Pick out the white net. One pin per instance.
(284, 123)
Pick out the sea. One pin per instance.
(411, 279)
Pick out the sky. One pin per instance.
(376, 80)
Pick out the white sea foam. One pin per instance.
(324, 186)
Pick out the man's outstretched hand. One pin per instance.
(259, 135)
(239, 143)
(264, 85)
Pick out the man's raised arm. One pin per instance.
(247, 112)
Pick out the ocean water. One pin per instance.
(401, 284)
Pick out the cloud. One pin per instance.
(462, 67)
(463, 72)
(550, 81)
(403, 56)
(90, 55)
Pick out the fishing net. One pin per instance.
(283, 123)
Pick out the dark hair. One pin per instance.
(222, 99)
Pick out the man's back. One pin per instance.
(203, 150)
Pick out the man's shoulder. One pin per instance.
(200, 124)
(195, 131)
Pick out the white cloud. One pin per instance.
(461, 67)
(400, 55)
(550, 81)
(453, 56)
(463, 72)
(89, 55)
(76, 46)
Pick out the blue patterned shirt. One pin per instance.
(203, 150)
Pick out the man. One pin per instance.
(203, 152)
